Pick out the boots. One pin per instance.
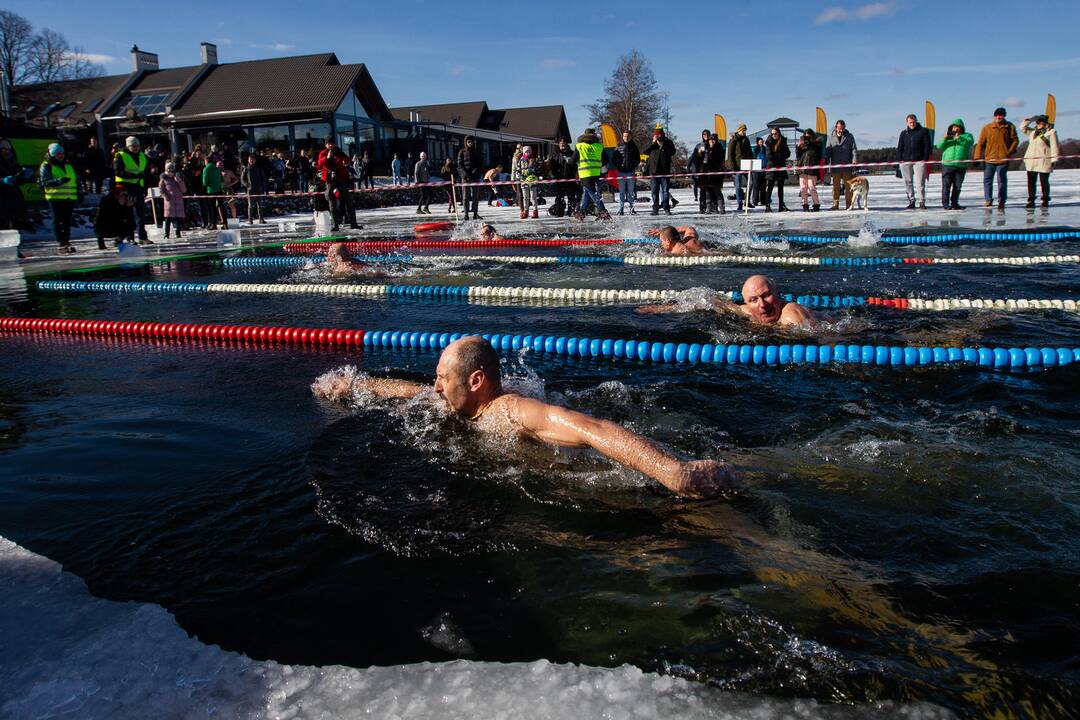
(466, 214)
(806, 207)
(524, 213)
(427, 209)
(535, 213)
(817, 207)
(603, 215)
(101, 244)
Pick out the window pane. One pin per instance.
(310, 135)
(275, 137)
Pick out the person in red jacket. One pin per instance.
(333, 166)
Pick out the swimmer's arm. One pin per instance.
(560, 426)
(658, 309)
(797, 315)
(723, 304)
(342, 387)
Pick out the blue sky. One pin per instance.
(870, 63)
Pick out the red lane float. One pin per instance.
(918, 261)
(899, 303)
(432, 226)
(275, 335)
(320, 248)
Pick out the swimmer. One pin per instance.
(488, 234)
(682, 240)
(339, 262)
(761, 304)
(468, 379)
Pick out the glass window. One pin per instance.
(310, 135)
(274, 137)
(149, 104)
(350, 107)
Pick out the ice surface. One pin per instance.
(65, 653)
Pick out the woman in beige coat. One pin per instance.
(1042, 153)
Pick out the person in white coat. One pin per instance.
(1041, 154)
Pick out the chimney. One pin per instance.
(208, 53)
(143, 60)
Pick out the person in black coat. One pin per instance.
(661, 157)
(776, 154)
(626, 161)
(564, 168)
(115, 217)
(912, 151)
(711, 193)
(469, 167)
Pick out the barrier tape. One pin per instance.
(494, 183)
(669, 261)
(544, 294)
(640, 350)
(365, 246)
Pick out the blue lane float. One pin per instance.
(737, 354)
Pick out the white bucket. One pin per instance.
(286, 227)
(228, 237)
(9, 245)
(323, 223)
(154, 232)
(130, 250)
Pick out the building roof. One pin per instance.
(545, 121)
(782, 122)
(466, 114)
(299, 84)
(87, 94)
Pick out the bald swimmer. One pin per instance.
(682, 240)
(761, 303)
(468, 379)
(339, 262)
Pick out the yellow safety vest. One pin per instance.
(69, 190)
(589, 159)
(131, 166)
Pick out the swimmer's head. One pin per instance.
(337, 251)
(467, 375)
(762, 298)
(487, 232)
(669, 236)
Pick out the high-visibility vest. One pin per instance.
(589, 159)
(133, 166)
(66, 191)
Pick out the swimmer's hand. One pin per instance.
(653, 232)
(336, 385)
(705, 478)
(657, 309)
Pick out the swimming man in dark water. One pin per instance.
(761, 303)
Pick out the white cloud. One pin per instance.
(863, 12)
(456, 70)
(833, 14)
(224, 41)
(557, 63)
(1013, 102)
(276, 47)
(93, 57)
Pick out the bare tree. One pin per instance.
(16, 40)
(79, 66)
(632, 101)
(48, 56)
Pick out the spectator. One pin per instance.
(515, 174)
(955, 150)
(469, 168)
(693, 164)
(115, 217)
(627, 159)
(304, 172)
(60, 183)
(808, 158)
(131, 169)
(93, 166)
(493, 176)
(172, 191)
(912, 151)
(711, 190)
(365, 171)
(757, 178)
(527, 171)
(229, 182)
(409, 165)
(214, 183)
(563, 168)
(776, 154)
(1041, 155)
(333, 165)
(277, 171)
(447, 173)
(739, 149)
(253, 180)
(661, 155)
(587, 155)
(422, 174)
(395, 170)
(997, 142)
(841, 150)
(12, 175)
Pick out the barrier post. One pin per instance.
(750, 166)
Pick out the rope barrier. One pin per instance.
(543, 294)
(674, 261)
(641, 350)
(367, 246)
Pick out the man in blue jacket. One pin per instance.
(912, 151)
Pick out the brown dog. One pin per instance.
(860, 192)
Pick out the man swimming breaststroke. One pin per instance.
(682, 240)
(340, 262)
(761, 303)
(468, 379)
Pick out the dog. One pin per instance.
(859, 187)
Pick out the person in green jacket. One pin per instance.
(214, 183)
(955, 149)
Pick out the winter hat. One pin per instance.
(741, 126)
(1000, 112)
(526, 151)
(170, 167)
(131, 141)
(1040, 118)
(55, 149)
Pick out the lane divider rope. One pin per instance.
(542, 294)
(641, 350)
(652, 260)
